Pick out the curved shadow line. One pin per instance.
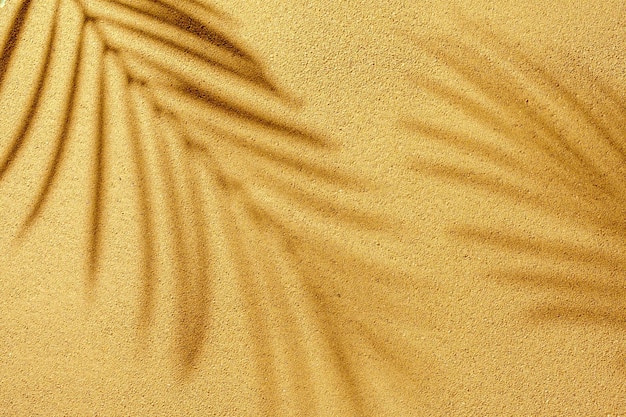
(18, 140)
(248, 72)
(612, 318)
(185, 87)
(147, 224)
(61, 142)
(546, 248)
(99, 178)
(192, 273)
(14, 34)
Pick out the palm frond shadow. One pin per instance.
(540, 145)
(211, 138)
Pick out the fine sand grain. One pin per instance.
(268, 208)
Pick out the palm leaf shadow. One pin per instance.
(172, 66)
(541, 145)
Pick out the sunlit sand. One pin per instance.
(317, 208)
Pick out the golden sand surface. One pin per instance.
(312, 208)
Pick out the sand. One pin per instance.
(248, 208)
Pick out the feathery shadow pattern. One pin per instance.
(221, 174)
(548, 147)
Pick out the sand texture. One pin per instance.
(312, 208)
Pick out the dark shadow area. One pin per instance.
(539, 144)
(14, 34)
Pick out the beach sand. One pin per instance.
(248, 208)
